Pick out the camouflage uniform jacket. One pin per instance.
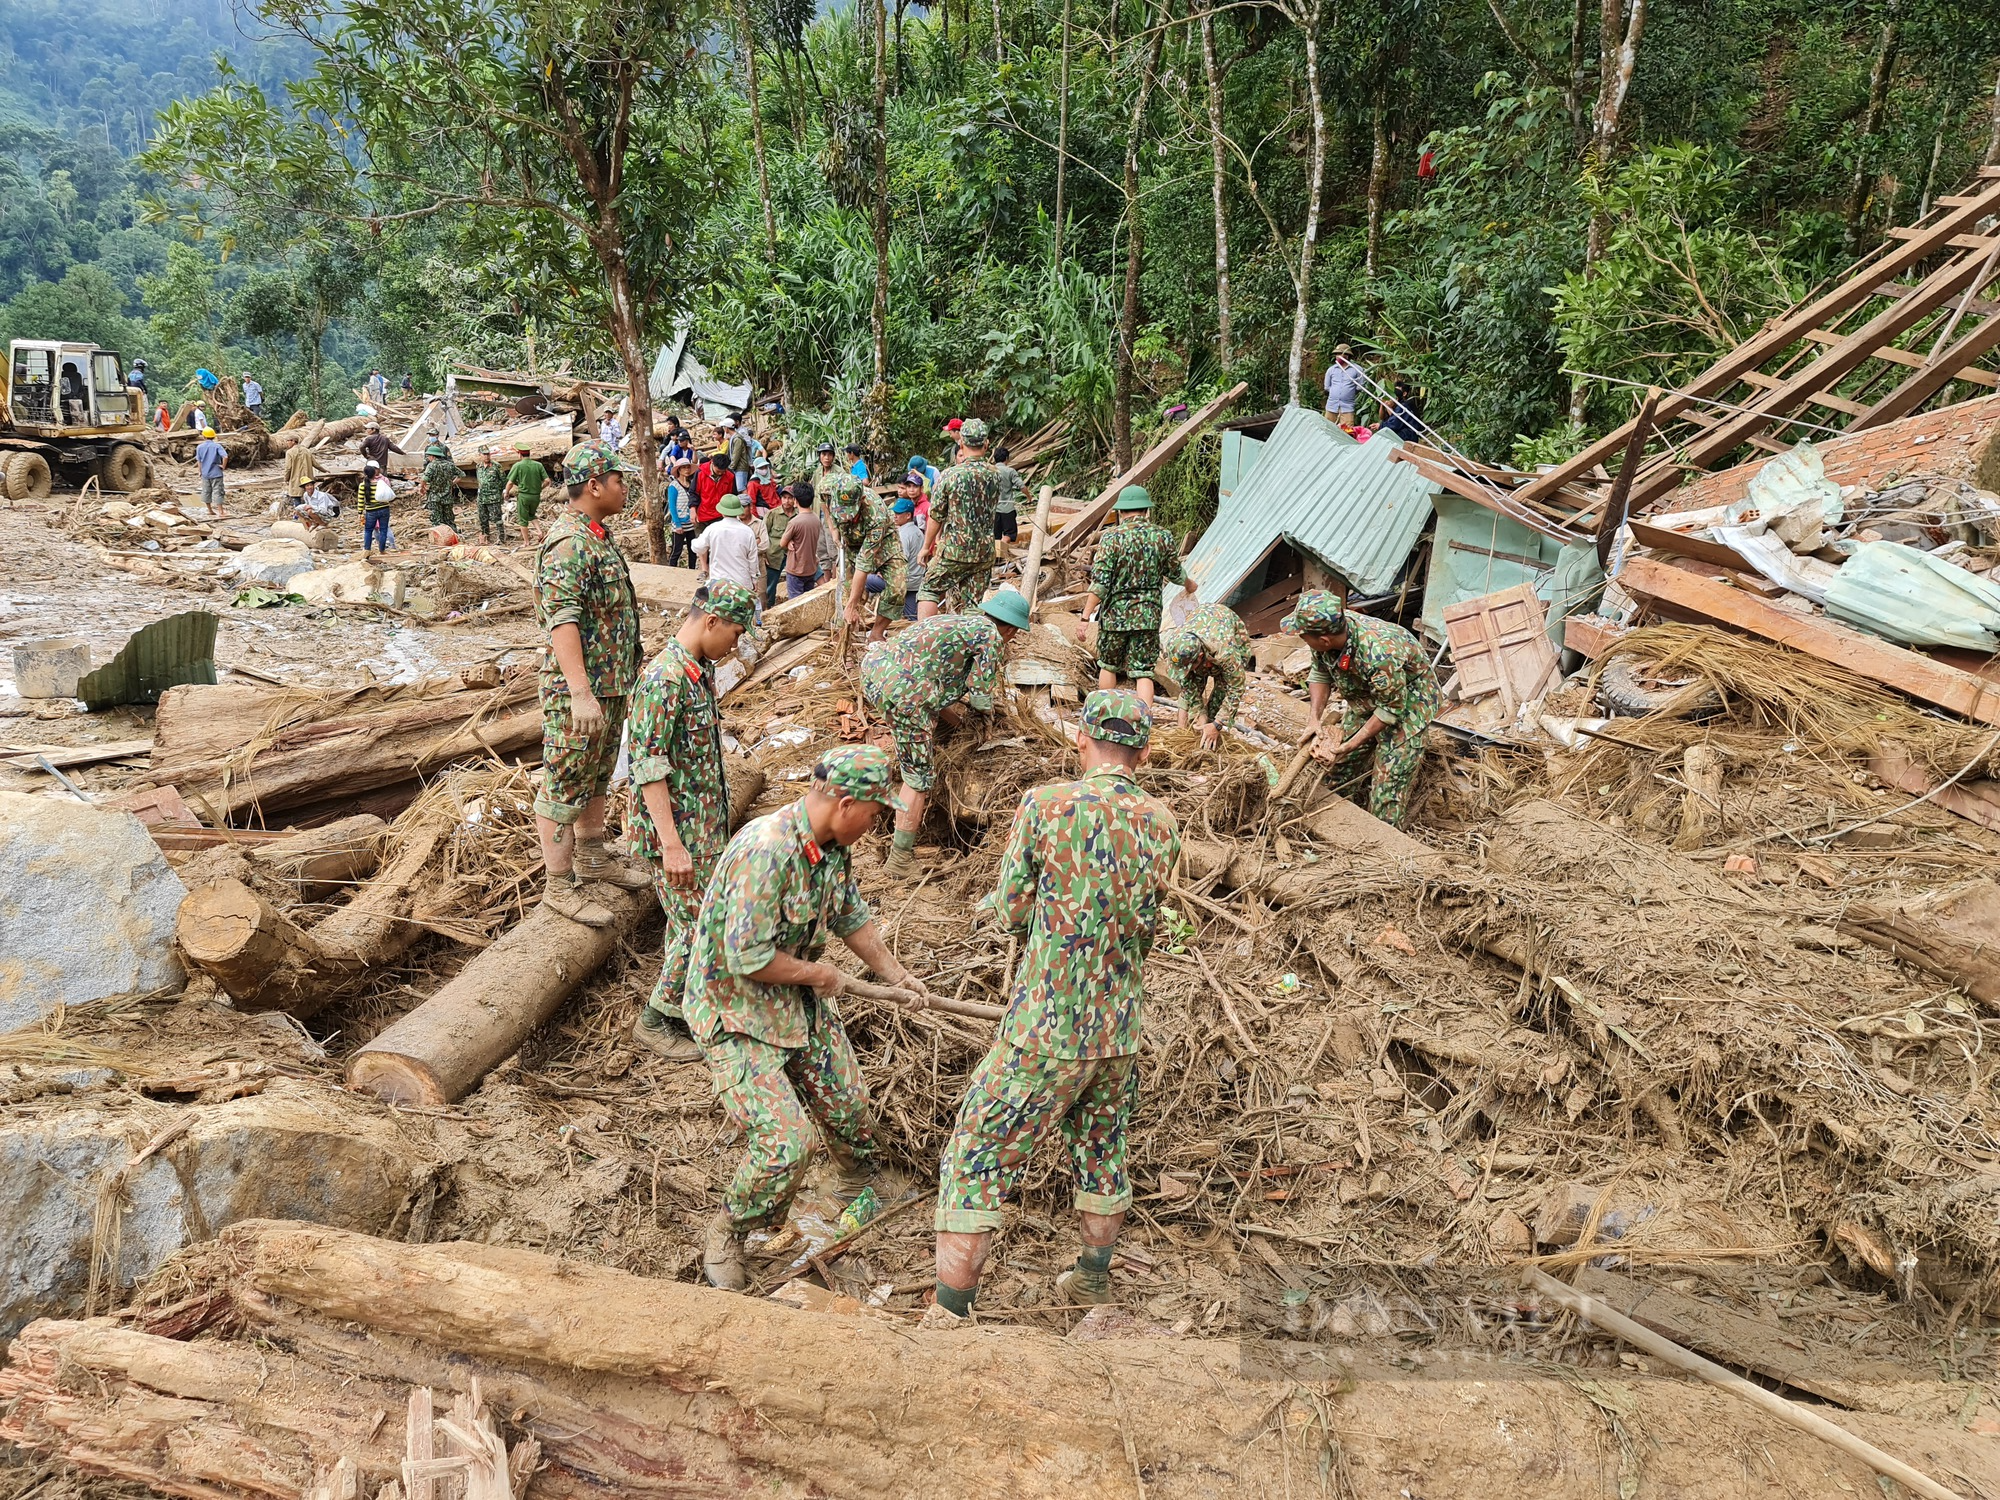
(439, 476)
(1082, 882)
(938, 661)
(581, 580)
(492, 485)
(1383, 671)
(1135, 562)
(870, 538)
(1211, 643)
(775, 891)
(963, 499)
(676, 737)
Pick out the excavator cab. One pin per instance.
(66, 411)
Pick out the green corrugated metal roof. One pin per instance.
(1346, 503)
(164, 654)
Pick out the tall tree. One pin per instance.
(878, 313)
(757, 130)
(1308, 18)
(564, 130)
(1225, 349)
(1886, 42)
(1148, 44)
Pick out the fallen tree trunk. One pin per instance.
(265, 961)
(320, 862)
(438, 1053)
(299, 1347)
(1952, 934)
(315, 433)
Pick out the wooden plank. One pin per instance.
(1154, 459)
(1478, 494)
(1590, 636)
(1748, 1343)
(1837, 403)
(1911, 672)
(1956, 242)
(670, 590)
(22, 757)
(1891, 261)
(1928, 381)
(1678, 544)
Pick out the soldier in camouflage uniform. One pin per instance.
(1210, 650)
(761, 1003)
(440, 477)
(679, 821)
(1082, 882)
(492, 496)
(938, 669)
(584, 600)
(1388, 694)
(870, 543)
(958, 541)
(1135, 562)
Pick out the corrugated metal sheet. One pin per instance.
(1477, 551)
(164, 654)
(1239, 457)
(1909, 596)
(1345, 503)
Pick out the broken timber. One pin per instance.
(1155, 459)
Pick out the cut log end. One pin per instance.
(395, 1079)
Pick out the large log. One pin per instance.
(317, 433)
(438, 1053)
(1953, 934)
(1150, 463)
(299, 1347)
(320, 862)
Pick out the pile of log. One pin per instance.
(240, 751)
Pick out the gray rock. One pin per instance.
(274, 562)
(296, 1151)
(87, 907)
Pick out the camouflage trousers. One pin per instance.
(681, 906)
(1388, 764)
(575, 766)
(493, 518)
(440, 508)
(913, 733)
(1129, 653)
(778, 1095)
(1015, 1099)
(895, 584)
(956, 584)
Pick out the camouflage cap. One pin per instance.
(729, 602)
(846, 504)
(973, 433)
(864, 772)
(1179, 653)
(1316, 613)
(1118, 716)
(590, 460)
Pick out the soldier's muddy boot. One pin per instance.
(901, 863)
(937, 1317)
(1088, 1282)
(722, 1255)
(665, 1036)
(566, 897)
(595, 861)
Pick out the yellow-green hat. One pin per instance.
(1008, 607)
(729, 602)
(865, 772)
(1119, 716)
(730, 505)
(1134, 497)
(1316, 613)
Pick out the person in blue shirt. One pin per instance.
(136, 376)
(253, 396)
(919, 464)
(856, 464)
(680, 512)
(212, 458)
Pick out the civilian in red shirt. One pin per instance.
(763, 490)
(712, 481)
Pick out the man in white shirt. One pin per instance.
(729, 549)
(1343, 384)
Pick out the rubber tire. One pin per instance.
(28, 477)
(1623, 691)
(5, 493)
(125, 469)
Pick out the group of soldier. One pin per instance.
(743, 984)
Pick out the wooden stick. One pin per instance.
(1789, 1412)
(1298, 762)
(1031, 581)
(1227, 1009)
(891, 995)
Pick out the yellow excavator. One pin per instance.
(67, 412)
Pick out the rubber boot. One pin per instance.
(566, 897)
(665, 1036)
(594, 861)
(722, 1255)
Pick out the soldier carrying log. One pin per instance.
(584, 600)
(760, 1002)
(1082, 882)
(680, 800)
(937, 670)
(1388, 694)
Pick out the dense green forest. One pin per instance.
(1019, 207)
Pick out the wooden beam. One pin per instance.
(1449, 478)
(1701, 597)
(1912, 361)
(1956, 242)
(1927, 382)
(1894, 258)
(1155, 459)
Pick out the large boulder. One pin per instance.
(354, 582)
(87, 906)
(296, 1151)
(274, 562)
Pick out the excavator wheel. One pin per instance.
(28, 477)
(125, 469)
